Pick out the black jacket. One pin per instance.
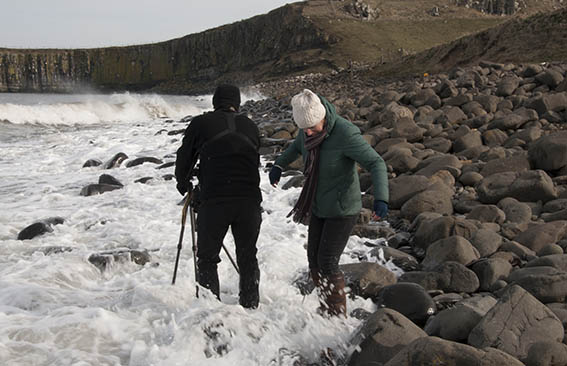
(228, 167)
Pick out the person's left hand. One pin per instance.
(380, 210)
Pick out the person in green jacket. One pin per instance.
(330, 200)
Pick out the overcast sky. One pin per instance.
(101, 23)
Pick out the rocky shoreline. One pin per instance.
(477, 162)
(477, 159)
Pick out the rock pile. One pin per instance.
(477, 159)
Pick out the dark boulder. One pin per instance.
(142, 160)
(115, 161)
(94, 189)
(109, 179)
(92, 162)
(409, 299)
(40, 228)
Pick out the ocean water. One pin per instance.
(59, 309)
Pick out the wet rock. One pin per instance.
(403, 260)
(54, 250)
(109, 179)
(94, 189)
(92, 162)
(142, 160)
(39, 228)
(166, 165)
(143, 180)
(115, 161)
(105, 260)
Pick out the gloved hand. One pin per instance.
(380, 210)
(182, 188)
(275, 175)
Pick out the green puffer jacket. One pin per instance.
(338, 187)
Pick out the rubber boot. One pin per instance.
(316, 277)
(334, 295)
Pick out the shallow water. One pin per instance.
(59, 309)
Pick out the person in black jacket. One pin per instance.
(227, 145)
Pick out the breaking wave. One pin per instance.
(92, 109)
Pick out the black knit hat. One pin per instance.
(226, 96)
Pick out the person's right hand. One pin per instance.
(274, 175)
(184, 188)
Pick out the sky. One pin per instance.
(102, 23)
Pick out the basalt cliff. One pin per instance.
(310, 36)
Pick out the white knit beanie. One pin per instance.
(307, 109)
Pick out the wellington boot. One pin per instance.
(316, 277)
(334, 295)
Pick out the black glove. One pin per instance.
(182, 188)
(274, 175)
(380, 209)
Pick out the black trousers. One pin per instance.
(326, 240)
(244, 218)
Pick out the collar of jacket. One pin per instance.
(330, 115)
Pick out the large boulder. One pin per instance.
(409, 299)
(404, 187)
(491, 270)
(516, 322)
(528, 186)
(547, 284)
(447, 277)
(430, 200)
(549, 152)
(437, 351)
(540, 235)
(366, 279)
(454, 248)
(394, 112)
(382, 335)
(39, 228)
(429, 231)
(453, 324)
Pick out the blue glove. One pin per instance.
(380, 209)
(274, 175)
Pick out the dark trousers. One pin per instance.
(326, 241)
(244, 217)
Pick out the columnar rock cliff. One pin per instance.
(233, 51)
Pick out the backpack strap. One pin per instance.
(231, 122)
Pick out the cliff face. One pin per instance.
(231, 52)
